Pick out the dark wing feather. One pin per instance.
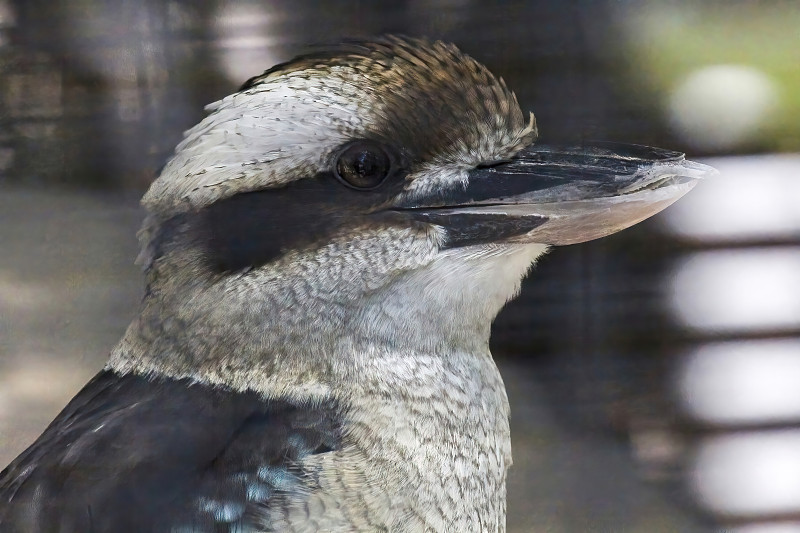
(131, 453)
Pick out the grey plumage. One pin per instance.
(348, 326)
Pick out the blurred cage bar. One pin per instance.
(675, 342)
(734, 290)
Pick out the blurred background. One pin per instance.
(654, 375)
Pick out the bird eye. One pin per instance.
(363, 165)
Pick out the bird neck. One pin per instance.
(289, 335)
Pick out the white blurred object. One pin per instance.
(789, 527)
(7, 15)
(743, 382)
(243, 40)
(738, 290)
(749, 474)
(755, 197)
(42, 380)
(721, 107)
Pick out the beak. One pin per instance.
(560, 195)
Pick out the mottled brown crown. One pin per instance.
(434, 97)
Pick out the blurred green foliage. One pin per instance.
(670, 40)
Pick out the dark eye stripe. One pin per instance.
(251, 229)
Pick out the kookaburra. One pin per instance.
(324, 256)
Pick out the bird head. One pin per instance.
(380, 193)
